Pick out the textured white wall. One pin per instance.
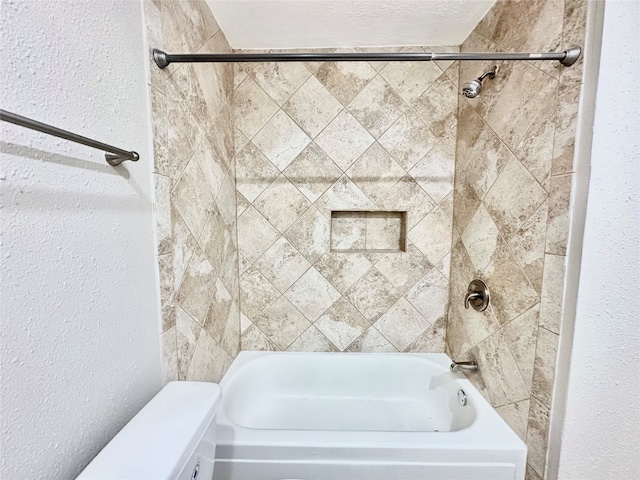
(353, 23)
(601, 437)
(80, 348)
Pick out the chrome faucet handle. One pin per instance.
(477, 296)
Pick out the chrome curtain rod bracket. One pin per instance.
(114, 156)
(163, 59)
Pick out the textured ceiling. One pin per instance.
(347, 23)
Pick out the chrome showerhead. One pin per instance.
(473, 88)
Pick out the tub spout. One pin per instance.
(464, 367)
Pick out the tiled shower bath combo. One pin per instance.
(333, 207)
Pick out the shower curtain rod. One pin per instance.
(163, 59)
(114, 157)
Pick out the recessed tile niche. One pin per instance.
(365, 231)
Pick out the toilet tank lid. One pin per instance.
(159, 440)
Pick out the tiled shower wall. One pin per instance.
(195, 205)
(312, 138)
(514, 171)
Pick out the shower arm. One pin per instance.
(163, 59)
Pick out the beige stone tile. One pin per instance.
(511, 291)
(522, 334)
(565, 131)
(241, 204)
(499, 370)
(401, 324)
(162, 213)
(192, 198)
(434, 172)
(310, 234)
(184, 244)
(186, 25)
(344, 140)
(558, 214)
(255, 234)
(453, 73)
(256, 293)
(432, 235)
(239, 74)
(342, 324)
(527, 244)
(443, 64)
(281, 323)
(514, 197)
(430, 296)
(186, 108)
(437, 105)
(517, 416)
(375, 172)
(282, 264)
(410, 79)
(252, 339)
(212, 167)
(575, 21)
(372, 295)
(531, 474)
(218, 315)
(525, 92)
(404, 269)
(343, 269)
(312, 340)
(481, 156)
(216, 241)
(544, 371)
(343, 195)
(431, 340)
(244, 323)
(239, 140)
(312, 107)
(371, 341)
(481, 238)
(253, 107)
(169, 356)
(465, 327)
(535, 151)
(444, 266)
(281, 140)
(345, 79)
(312, 294)
(230, 341)
(377, 106)
(188, 331)
(408, 196)
(209, 361)
(385, 231)
(167, 290)
(377, 66)
(539, 25)
(408, 139)
(348, 231)
(552, 292)
(194, 295)
(537, 436)
(160, 125)
(280, 80)
(281, 203)
(312, 172)
(254, 172)
(226, 201)
(243, 264)
(215, 79)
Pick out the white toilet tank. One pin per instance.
(172, 438)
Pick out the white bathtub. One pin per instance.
(356, 416)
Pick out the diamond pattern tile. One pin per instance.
(312, 107)
(281, 140)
